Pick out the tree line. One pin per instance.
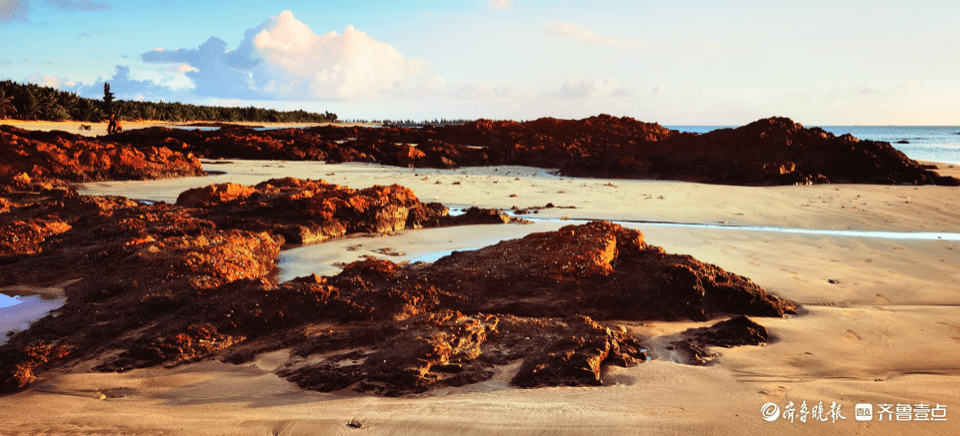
(34, 102)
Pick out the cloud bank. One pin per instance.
(578, 32)
(283, 59)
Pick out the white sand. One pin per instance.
(886, 332)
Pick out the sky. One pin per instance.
(676, 62)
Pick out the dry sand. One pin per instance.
(878, 321)
(100, 129)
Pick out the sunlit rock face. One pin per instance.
(57, 157)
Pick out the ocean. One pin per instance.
(930, 143)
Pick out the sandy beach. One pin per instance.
(100, 129)
(877, 321)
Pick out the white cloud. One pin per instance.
(500, 5)
(578, 32)
(661, 89)
(51, 81)
(283, 58)
(611, 87)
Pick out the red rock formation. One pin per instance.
(168, 284)
(73, 158)
(25, 237)
(213, 195)
(733, 332)
(772, 151)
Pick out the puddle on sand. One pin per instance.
(21, 305)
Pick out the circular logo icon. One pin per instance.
(770, 412)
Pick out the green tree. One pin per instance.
(7, 108)
(28, 105)
(49, 107)
(107, 98)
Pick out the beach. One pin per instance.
(876, 325)
(100, 129)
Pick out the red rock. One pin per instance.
(18, 364)
(408, 157)
(26, 237)
(73, 158)
(169, 284)
(213, 195)
(774, 151)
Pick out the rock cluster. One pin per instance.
(772, 151)
(29, 158)
(166, 284)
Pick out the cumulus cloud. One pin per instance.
(593, 89)
(14, 10)
(500, 5)
(78, 5)
(51, 81)
(578, 32)
(283, 58)
(122, 84)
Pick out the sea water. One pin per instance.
(929, 143)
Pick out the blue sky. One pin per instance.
(681, 62)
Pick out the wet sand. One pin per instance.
(878, 321)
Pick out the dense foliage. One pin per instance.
(34, 102)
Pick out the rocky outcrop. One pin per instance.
(140, 265)
(733, 332)
(772, 151)
(169, 284)
(65, 157)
